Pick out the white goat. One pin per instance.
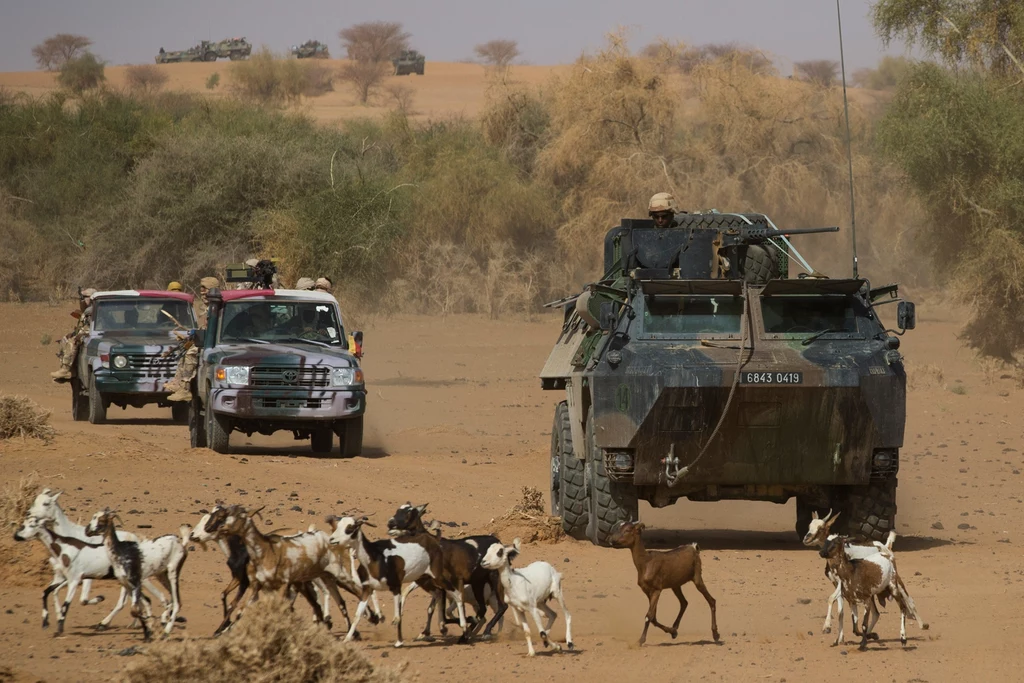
(528, 590)
(48, 511)
(135, 561)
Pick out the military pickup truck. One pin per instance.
(124, 359)
(277, 360)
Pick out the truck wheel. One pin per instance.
(180, 413)
(760, 264)
(610, 502)
(97, 411)
(351, 437)
(322, 441)
(871, 510)
(218, 437)
(568, 484)
(196, 424)
(210, 57)
(79, 402)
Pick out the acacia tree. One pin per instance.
(959, 137)
(56, 51)
(497, 53)
(820, 71)
(374, 41)
(364, 77)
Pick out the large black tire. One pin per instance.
(218, 437)
(610, 502)
(322, 441)
(79, 401)
(210, 57)
(568, 482)
(180, 412)
(351, 438)
(760, 264)
(97, 411)
(196, 423)
(871, 510)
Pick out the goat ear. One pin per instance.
(516, 542)
(814, 514)
(640, 526)
(332, 521)
(421, 508)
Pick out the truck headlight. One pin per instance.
(233, 374)
(120, 362)
(346, 377)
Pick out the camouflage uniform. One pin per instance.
(189, 361)
(72, 341)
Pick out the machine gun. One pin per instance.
(747, 251)
(759, 234)
(260, 276)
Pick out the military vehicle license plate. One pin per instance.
(754, 377)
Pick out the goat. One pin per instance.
(388, 564)
(861, 581)
(286, 563)
(134, 561)
(658, 570)
(528, 590)
(48, 511)
(460, 569)
(234, 550)
(819, 531)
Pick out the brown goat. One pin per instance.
(658, 570)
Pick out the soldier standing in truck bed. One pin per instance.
(189, 361)
(72, 341)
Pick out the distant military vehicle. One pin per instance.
(408, 62)
(697, 368)
(311, 48)
(208, 51)
(127, 356)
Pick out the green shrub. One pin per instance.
(81, 73)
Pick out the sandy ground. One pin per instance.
(457, 419)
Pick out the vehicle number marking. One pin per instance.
(752, 377)
(622, 398)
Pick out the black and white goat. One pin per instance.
(134, 561)
(388, 564)
(461, 570)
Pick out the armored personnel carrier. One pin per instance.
(193, 54)
(697, 368)
(311, 49)
(408, 62)
(208, 51)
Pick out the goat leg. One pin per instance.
(682, 609)
(698, 581)
(56, 583)
(425, 633)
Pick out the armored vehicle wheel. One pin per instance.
(351, 438)
(196, 424)
(322, 441)
(234, 55)
(97, 411)
(568, 485)
(180, 412)
(760, 264)
(871, 510)
(79, 401)
(610, 502)
(210, 57)
(218, 437)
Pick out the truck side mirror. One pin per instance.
(906, 317)
(609, 319)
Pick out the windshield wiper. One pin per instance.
(818, 335)
(248, 339)
(308, 341)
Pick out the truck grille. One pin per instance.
(264, 402)
(262, 376)
(151, 365)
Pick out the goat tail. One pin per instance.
(890, 540)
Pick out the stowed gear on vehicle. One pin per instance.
(697, 368)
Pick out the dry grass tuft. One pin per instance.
(529, 520)
(272, 643)
(17, 499)
(20, 416)
(924, 376)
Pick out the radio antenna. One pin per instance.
(849, 148)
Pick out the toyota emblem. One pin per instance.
(290, 375)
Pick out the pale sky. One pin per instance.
(548, 31)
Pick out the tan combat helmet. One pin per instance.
(306, 283)
(663, 201)
(323, 284)
(209, 282)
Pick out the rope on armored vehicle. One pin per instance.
(672, 479)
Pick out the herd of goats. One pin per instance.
(476, 570)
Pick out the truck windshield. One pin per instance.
(141, 315)
(271, 321)
(678, 314)
(808, 313)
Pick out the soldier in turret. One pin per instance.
(662, 209)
